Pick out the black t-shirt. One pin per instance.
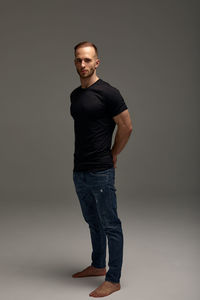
(93, 109)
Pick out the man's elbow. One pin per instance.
(130, 129)
(126, 129)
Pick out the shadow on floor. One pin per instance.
(52, 271)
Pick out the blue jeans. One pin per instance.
(96, 193)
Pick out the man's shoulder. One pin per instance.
(107, 84)
(106, 87)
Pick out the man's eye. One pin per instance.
(86, 60)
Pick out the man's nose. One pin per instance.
(82, 63)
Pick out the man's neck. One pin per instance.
(86, 82)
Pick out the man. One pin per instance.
(97, 107)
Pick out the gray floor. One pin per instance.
(41, 246)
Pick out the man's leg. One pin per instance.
(98, 237)
(104, 193)
(106, 205)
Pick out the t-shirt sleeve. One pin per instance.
(115, 102)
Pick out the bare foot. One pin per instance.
(105, 289)
(90, 271)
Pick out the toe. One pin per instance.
(94, 295)
(91, 294)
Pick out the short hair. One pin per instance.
(85, 44)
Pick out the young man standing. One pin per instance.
(97, 107)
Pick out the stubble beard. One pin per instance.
(86, 75)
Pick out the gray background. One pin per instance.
(148, 50)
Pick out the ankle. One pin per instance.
(97, 268)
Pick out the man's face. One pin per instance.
(86, 61)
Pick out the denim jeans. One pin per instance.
(97, 197)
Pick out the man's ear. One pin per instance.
(97, 62)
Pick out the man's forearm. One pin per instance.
(123, 133)
(121, 139)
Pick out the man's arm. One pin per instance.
(124, 129)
